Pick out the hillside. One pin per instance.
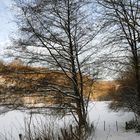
(17, 80)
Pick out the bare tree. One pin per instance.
(121, 18)
(125, 95)
(60, 35)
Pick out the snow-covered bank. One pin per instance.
(13, 122)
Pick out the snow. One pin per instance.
(13, 122)
(100, 114)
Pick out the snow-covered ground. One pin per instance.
(13, 122)
(100, 114)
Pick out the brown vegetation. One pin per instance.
(31, 82)
(35, 83)
(102, 88)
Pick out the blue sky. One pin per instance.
(7, 25)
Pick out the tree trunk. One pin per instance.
(81, 113)
(137, 74)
